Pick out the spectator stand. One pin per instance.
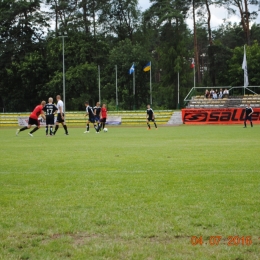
(235, 98)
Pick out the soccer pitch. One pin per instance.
(187, 192)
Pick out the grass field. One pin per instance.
(131, 193)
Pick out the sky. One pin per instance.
(217, 15)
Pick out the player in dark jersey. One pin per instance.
(50, 110)
(97, 110)
(150, 117)
(91, 117)
(249, 111)
(33, 119)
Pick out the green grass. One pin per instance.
(130, 193)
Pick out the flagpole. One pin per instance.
(99, 93)
(116, 91)
(244, 67)
(134, 86)
(178, 90)
(194, 76)
(151, 95)
(244, 72)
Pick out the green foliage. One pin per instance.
(253, 60)
(108, 33)
(124, 55)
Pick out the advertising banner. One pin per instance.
(111, 120)
(23, 121)
(114, 120)
(218, 116)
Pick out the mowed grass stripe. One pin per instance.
(129, 193)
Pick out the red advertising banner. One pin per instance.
(218, 116)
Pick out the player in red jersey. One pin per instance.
(33, 119)
(103, 117)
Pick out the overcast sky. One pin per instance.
(217, 15)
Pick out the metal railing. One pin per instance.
(229, 88)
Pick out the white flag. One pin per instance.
(244, 67)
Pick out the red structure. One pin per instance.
(218, 116)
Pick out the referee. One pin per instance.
(249, 111)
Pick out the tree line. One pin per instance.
(116, 32)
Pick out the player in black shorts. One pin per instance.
(249, 112)
(97, 110)
(150, 117)
(91, 117)
(60, 116)
(50, 109)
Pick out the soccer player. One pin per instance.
(33, 119)
(97, 110)
(249, 112)
(103, 117)
(60, 116)
(91, 117)
(150, 117)
(50, 110)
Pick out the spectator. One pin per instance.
(220, 95)
(211, 93)
(214, 96)
(207, 94)
(216, 91)
(225, 93)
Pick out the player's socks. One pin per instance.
(95, 126)
(46, 129)
(148, 125)
(251, 124)
(34, 130)
(155, 125)
(24, 128)
(50, 130)
(104, 124)
(87, 127)
(56, 129)
(65, 128)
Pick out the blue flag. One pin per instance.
(132, 69)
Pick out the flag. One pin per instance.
(147, 67)
(244, 67)
(132, 69)
(192, 66)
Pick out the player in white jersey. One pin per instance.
(60, 116)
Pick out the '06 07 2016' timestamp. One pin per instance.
(216, 240)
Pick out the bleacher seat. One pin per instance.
(232, 101)
(77, 118)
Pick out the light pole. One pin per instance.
(178, 106)
(116, 90)
(99, 93)
(63, 35)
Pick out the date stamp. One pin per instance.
(229, 241)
